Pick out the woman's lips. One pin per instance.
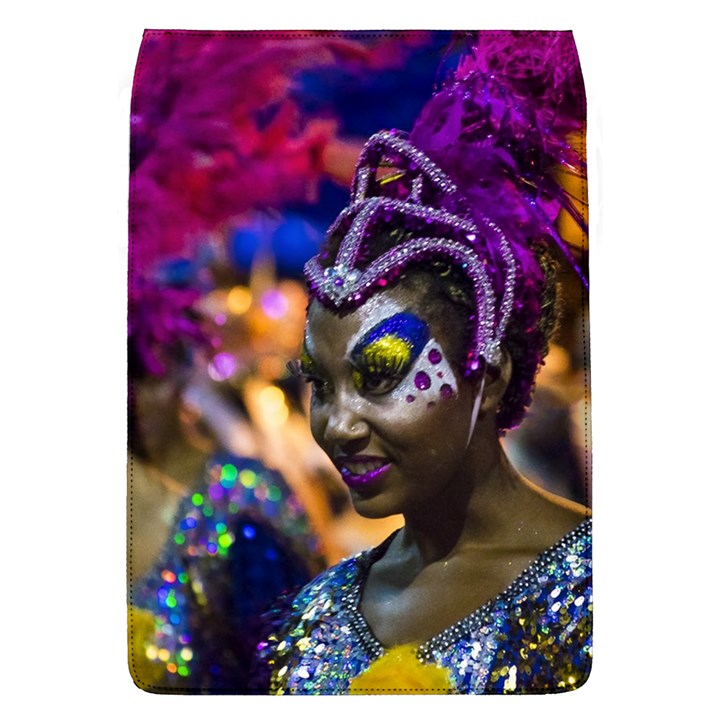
(361, 471)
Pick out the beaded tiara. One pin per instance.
(474, 185)
(436, 210)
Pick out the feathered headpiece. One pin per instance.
(475, 184)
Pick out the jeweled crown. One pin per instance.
(418, 196)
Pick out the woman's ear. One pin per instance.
(497, 378)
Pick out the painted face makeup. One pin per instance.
(398, 367)
(396, 356)
(385, 354)
(387, 406)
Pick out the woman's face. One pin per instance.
(387, 407)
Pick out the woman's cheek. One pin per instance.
(429, 382)
(318, 422)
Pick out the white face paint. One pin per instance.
(387, 407)
(429, 380)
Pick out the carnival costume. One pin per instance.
(474, 186)
(239, 540)
(534, 637)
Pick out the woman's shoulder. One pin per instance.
(565, 566)
(340, 578)
(551, 518)
(325, 596)
(544, 622)
(294, 615)
(575, 547)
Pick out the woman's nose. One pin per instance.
(345, 423)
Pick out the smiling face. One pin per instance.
(388, 408)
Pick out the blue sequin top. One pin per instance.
(535, 637)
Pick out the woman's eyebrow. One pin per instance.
(405, 329)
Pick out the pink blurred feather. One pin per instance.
(214, 133)
(202, 151)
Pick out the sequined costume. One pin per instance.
(239, 541)
(534, 637)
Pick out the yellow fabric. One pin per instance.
(399, 671)
(141, 634)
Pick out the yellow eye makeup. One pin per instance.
(306, 363)
(388, 354)
(390, 348)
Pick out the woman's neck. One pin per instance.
(481, 506)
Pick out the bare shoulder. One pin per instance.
(555, 515)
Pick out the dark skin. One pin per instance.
(472, 522)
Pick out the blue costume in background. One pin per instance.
(240, 540)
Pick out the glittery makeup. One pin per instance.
(397, 427)
(391, 343)
(391, 347)
(420, 384)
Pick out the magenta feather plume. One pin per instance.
(215, 132)
(500, 127)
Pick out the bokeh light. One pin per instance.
(273, 405)
(222, 366)
(274, 304)
(239, 300)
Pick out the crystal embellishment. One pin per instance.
(451, 235)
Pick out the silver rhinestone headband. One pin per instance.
(453, 235)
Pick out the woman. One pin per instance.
(432, 305)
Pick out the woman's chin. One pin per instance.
(374, 506)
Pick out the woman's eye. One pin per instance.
(301, 370)
(376, 384)
(320, 388)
